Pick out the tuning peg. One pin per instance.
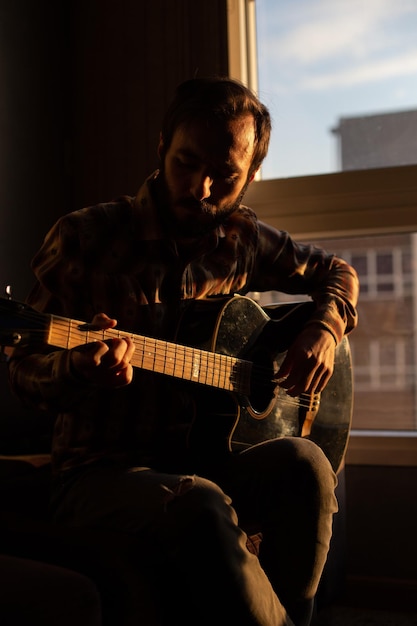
(8, 292)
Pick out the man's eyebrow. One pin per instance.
(232, 168)
(186, 152)
(227, 168)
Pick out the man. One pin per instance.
(124, 455)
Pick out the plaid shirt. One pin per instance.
(123, 258)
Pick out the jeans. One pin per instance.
(189, 532)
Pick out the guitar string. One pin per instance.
(258, 372)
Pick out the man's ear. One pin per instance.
(252, 176)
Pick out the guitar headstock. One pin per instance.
(6, 339)
(18, 323)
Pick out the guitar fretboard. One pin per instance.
(163, 357)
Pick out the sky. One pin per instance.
(320, 60)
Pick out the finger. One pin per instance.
(131, 347)
(283, 373)
(123, 377)
(320, 381)
(86, 359)
(119, 353)
(103, 321)
(92, 351)
(299, 381)
(317, 379)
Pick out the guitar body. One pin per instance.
(243, 329)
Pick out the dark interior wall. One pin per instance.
(381, 521)
(129, 56)
(33, 114)
(381, 549)
(83, 85)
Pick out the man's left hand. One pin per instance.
(309, 362)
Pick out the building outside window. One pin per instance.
(340, 80)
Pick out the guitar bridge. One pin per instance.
(310, 411)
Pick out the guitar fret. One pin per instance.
(191, 370)
(208, 370)
(212, 376)
(203, 370)
(205, 367)
(139, 354)
(226, 372)
(174, 360)
(243, 378)
(220, 380)
(180, 362)
(148, 355)
(195, 366)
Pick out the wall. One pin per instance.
(83, 85)
(33, 113)
(129, 56)
(381, 550)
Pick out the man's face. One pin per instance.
(205, 169)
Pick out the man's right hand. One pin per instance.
(104, 363)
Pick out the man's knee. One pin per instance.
(203, 498)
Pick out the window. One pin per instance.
(369, 216)
(386, 272)
(340, 79)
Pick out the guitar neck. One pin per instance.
(163, 357)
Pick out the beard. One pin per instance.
(190, 217)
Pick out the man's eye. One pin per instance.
(230, 180)
(186, 164)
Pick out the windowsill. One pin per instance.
(341, 204)
(394, 448)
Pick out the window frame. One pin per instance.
(363, 202)
(340, 204)
(354, 203)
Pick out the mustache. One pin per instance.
(197, 206)
(205, 213)
(208, 214)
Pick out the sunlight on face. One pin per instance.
(206, 168)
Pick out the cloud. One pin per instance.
(307, 33)
(364, 73)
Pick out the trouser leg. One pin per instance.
(188, 540)
(285, 489)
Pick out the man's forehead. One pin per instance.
(231, 140)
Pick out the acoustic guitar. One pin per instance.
(231, 347)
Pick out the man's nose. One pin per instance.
(201, 187)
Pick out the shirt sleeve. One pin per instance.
(41, 375)
(45, 380)
(285, 265)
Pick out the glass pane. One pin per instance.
(340, 80)
(384, 263)
(384, 346)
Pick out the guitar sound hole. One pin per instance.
(262, 385)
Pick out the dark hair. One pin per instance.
(217, 99)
